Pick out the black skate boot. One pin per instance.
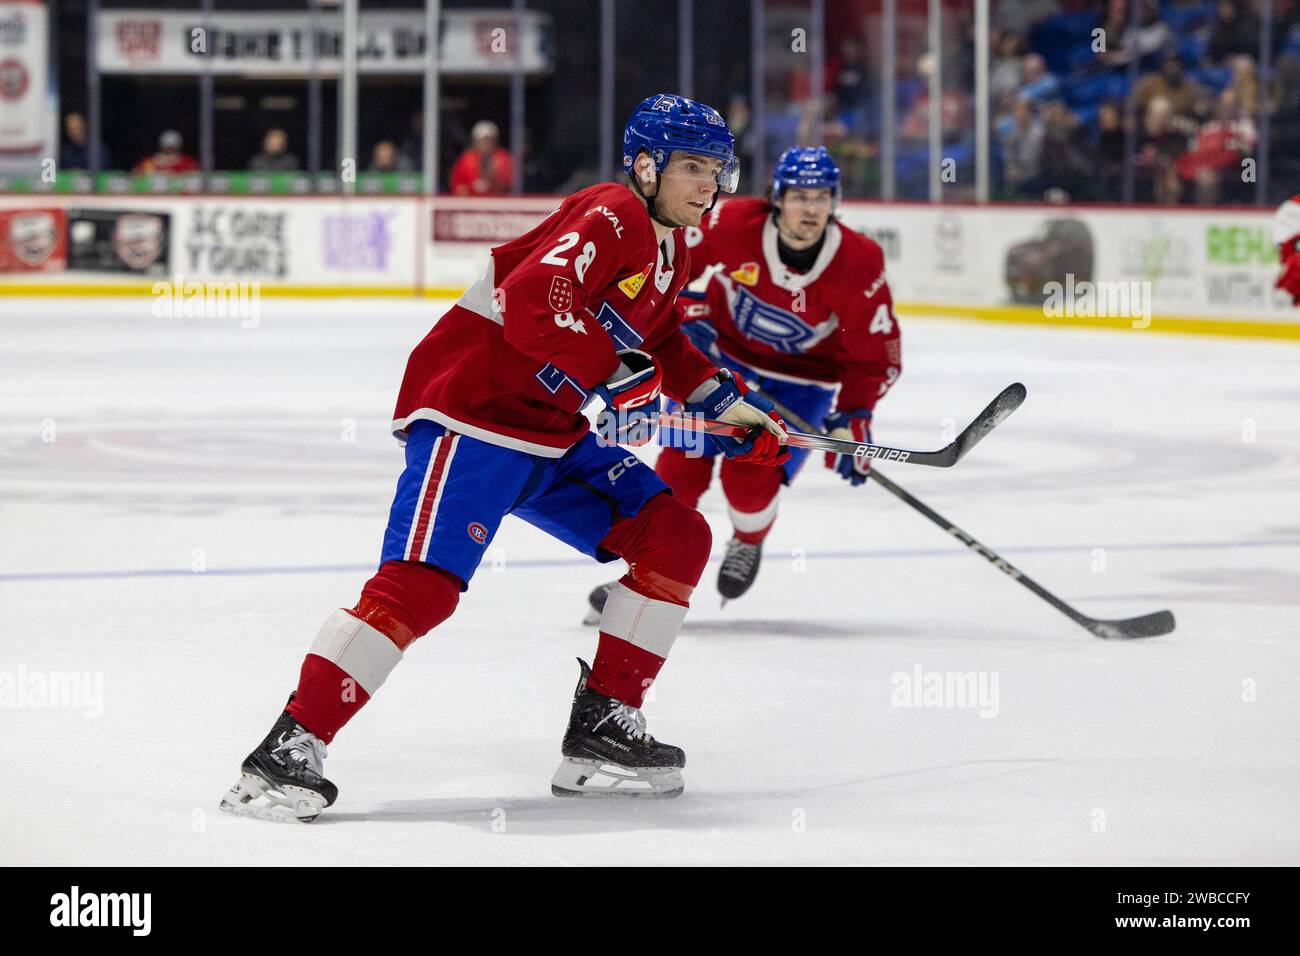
(739, 568)
(596, 599)
(283, 778)
(608, 753)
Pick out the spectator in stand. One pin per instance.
(1021, 135)
(386, 158)
(275, 156)
(1114, 22)
(485, 169)
(1065, 163)
(1185, 95)
(852, 85)
(169, 159)
(1236, 30)
(1109, 170)
(1214, 164)
(1150, 38)
(1036, 83)
(1159, 146)
(1245, 83)
(1004, 72)
(741, 125)
(74, 154)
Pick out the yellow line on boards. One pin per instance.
(1022, 314)
(1033, 315)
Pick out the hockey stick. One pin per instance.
(1007, 402)
(1148, 625)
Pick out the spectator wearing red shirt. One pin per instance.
(169, 158)
(485, 169)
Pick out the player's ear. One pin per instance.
(644, 167)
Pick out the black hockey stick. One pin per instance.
(1148, 625)
(814, 438)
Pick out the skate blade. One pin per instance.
(258, 799)
(577, 777)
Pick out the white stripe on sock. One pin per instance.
(360, 651)
(754, 520)
(649, 624)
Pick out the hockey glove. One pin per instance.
(852, 425)
(725, 398)
(631, 398)
(703, 336)
(1289, 280)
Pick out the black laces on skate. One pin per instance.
(740, 560)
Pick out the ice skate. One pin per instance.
(739, 568)
(283, 778)
(607, 752)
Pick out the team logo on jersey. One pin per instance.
(775, 327)
(747, 274)
(632, 284)
(561, 297)
(477, 532)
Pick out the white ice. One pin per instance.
(181, 505)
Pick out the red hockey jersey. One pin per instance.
(834, 323)
(515, 359)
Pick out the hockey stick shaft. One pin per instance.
(1162, 622)
(1007, 401)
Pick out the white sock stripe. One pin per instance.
(754, 520)
(360, 651)
(437, 499)
(649, 624)
(419, 501)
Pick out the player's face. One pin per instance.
(686, 187)
(804, 213)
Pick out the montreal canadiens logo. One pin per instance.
(478, 532)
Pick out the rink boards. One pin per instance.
(1207, 270)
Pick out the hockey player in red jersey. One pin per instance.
(1286, 233)
(580, 307)
(798, 303)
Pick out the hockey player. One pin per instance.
(1286, 233)
(799, 304)
(489, 410)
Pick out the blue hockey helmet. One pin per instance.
(807, 167)
(666, 122)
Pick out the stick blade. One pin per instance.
(1149, 625)
(1008, 400)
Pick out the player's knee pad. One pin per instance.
(666, 547)
(405, 600)
(750, 487)
(688, 476)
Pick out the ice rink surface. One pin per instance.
(182, 502)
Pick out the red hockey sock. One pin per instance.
(666, 546)
(357, 648)
(687, 477)
(622, 670)
(752, 493)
